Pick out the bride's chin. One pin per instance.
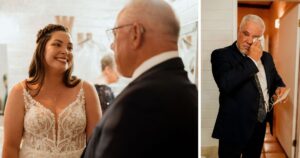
(66, 66)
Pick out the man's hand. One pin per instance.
(255, 51)
(278, 93)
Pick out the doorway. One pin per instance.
(282, 42)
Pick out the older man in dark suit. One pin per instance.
(156, 114)
(247, 79)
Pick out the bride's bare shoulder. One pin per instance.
(18, 88)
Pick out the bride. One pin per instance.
(50, 114)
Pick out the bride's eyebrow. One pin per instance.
(60, 41)
(57, 40)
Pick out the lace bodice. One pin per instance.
(40, 138)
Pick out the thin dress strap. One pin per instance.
(81, 84)
(80, 95)
(22, 84)
(26, 95)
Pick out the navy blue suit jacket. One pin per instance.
(154, 116)
(239, 95)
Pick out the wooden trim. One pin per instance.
(260, 6)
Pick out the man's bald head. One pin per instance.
(157, 16)
(144, 28)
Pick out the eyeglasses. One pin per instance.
(111, 32)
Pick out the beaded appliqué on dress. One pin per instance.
(40, 138)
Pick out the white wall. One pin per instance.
(186, 10)
(219, 27)
(3, 69)
(21, 20)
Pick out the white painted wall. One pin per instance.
(186, 10)
(3, 69)
(21, 20)
(219, 28)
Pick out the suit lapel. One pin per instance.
(238, 56)
(236, 53)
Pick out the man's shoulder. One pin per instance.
(267, 56)
(225, 51)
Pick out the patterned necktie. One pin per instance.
(261, 109)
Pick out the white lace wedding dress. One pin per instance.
(40, 138)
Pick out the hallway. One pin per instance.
(272, 148)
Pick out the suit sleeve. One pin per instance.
(228, 74)
(277, 81)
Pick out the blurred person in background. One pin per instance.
(5, 83)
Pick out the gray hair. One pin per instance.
(253, 18)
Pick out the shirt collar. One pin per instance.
(155, 60)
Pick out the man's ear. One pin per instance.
(137, 35)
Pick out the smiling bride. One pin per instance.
(52, 113)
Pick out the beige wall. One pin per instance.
(278, 9)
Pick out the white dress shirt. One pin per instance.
(261, 74)
(151, 62)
